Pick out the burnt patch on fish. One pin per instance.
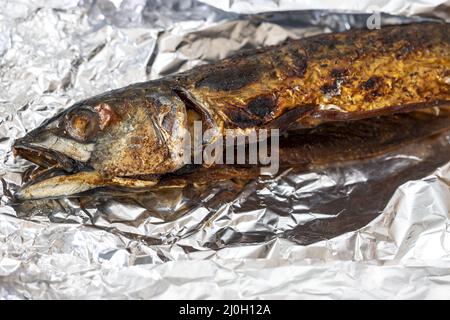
(256, 112)
(321, 43)
(331, 89)
(262, 106)
(230, 77)
(373, 86)
(371, 83)
(336, 79)
(404, 51)
(295, 64)
(291, 64)
(339, 73)
(299, 64)
(404, 40)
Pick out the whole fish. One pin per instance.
(132, 136)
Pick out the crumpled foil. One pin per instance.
(378, 228)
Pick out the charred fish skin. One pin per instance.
(342, 76)
(352, 72)
(138, 131)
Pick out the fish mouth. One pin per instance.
(52, 166)
(46, 158)
(65, 177)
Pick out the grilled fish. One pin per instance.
(133, 136)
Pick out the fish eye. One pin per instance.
(81, 125)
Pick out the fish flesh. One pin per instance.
(133, 136)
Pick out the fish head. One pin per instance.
(122, 134)
(66, 140)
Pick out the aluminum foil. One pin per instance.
(378, 228)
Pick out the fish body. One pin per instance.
(139, 131)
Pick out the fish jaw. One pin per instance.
(53, 151)
(76, 184)
(44, 157)
(72, 149)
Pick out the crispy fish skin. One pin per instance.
(341, 76)
(139, 130)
